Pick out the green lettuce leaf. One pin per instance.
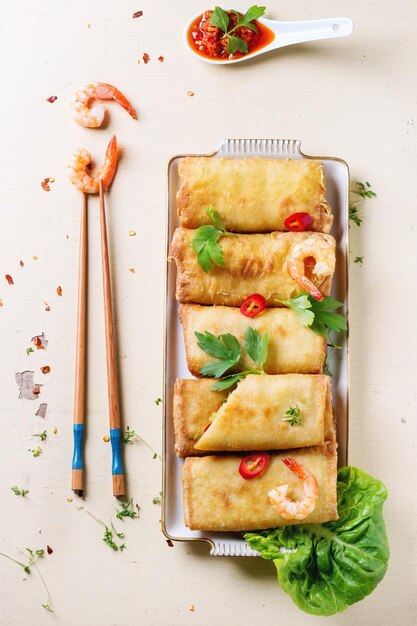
(327, 567)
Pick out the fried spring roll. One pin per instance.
(293, 348)
(255, 264)
(252, 195)
(218, 498)
(254, 416)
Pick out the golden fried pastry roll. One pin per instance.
(279, 266)
(262, 413)
(218, 498)
(293, 348)
(252, 195)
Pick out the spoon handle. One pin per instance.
(312, 30)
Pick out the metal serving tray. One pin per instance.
(337, 185)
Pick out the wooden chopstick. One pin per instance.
(79, 394)
(112, 381)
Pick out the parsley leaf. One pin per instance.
(293, 416)
(253, 13)
(320, 316)
(236, 44)
(205, 241)
(220, 19)
(359, 259)
(228, 349)
(301, 305)
(224, 346)
(228, 381)
(256, 345)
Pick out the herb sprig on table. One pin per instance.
(355, 209)
(205, 241)
(228, 350)
(220, 19)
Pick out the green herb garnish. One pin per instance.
(42, 435)
(318, 315)
(228, 349)
(19, 491)
(293, 416)
(36, 451)
(29, 350)
(359, 259)
(220, 19)
(158, 401)
(205, 241)
(129, 435)
(127, 510)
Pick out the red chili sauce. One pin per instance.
(209, 41)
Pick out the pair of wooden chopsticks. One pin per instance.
(112, 381)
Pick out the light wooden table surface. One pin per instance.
(354, 98)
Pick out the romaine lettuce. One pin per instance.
(327, 567)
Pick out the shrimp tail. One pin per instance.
(315, 293)
(295, 467)
(108, 171)
(106, 91)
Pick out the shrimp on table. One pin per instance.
(291, 509)
(93, 116)
(81, 162)
(315, 255)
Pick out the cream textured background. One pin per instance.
(354, 98)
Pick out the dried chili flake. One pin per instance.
(49, 549)
(169, 542)
(59, 291)
(52, 99)
(132, 269)
(1, 302)
(146, 58)
(9, 279)
(161, 59)
(45, 369)
(36, 391)
(45, 183)
(137, 14)
(21, 263)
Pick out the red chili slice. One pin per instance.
(207, 427)
(253, 465)
(252, 305)
(298, 221)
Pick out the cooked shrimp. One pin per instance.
(81, 162)
(290, 509)
(93, 116)
(317, 254)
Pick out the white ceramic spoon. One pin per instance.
(286, 34)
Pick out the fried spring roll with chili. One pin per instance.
(218, 498)
(293, 348)
(279, 266)
(262, 413)
(252, 195)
